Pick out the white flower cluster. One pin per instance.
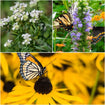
(18, 7)
(19, 14)
(18, 11)
(4, 21)
(33, 3)
(8, 43)
(15, 26)
(26, 38)
(35, 15)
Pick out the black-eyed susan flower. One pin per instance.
(69, 79)
(75, 71)
(8, 75)
(40, 92)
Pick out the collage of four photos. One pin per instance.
(52, 52)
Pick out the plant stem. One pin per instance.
(94, 87)
(55, 40)
(66, 37)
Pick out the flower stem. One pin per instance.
(66, 37)
(55, 40)
(94, 87)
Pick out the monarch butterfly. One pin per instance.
(30, 67)
(66, 20)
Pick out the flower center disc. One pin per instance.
(8, 86)
(43, 85)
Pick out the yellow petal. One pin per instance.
(43, 99)
(16, 72)
(51, 101)
(32, 99)
(4, 65)
(98, 62)
(68, 97)
(21, 88)
(11, 99)
(20, 92)
(81, 87)
(64, 89)
(57, 98)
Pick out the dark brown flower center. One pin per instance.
(8, 86)
(46, 54)
(43, 85)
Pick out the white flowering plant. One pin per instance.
(27, 28)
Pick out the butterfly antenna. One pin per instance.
(50, 62)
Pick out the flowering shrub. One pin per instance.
(26, 26)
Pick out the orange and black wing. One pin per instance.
(65, 22)
(30, 67)
(98, 37)
(98, 34)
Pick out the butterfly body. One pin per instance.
(30, 67)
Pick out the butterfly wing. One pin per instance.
(30, 67)
(97, 38)
(29, 57)
(65, 22)
(29, 70)
(98, 34)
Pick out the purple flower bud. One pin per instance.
(78, 34)
(73, 34)
(77, 19)
(87, 30)
(74, 48)
(73, 39)
(74, 23)
(75, 43)
(89, 24)
(80, 25)
(75, 14)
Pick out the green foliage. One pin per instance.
(98, 47)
